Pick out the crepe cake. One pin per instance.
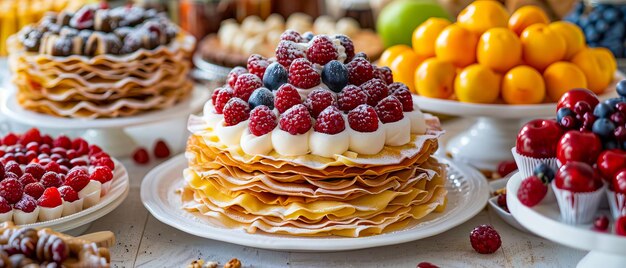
(314, 142)
(99, 62)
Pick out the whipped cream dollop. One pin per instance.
(396, 132)
(327, 145)
(418, 121)
(256, 145)
(210, 115)
(367, 142)
(290, 145)
(230, 135)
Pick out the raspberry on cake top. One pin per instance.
(316, 97)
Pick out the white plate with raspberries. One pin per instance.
(607, 248)
(467, 195)
(57, 183)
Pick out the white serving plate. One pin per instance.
(607, 249)
(493, 204)
(116, 195)
(468, 193)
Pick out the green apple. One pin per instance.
(397, 20)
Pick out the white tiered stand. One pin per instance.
(607, 250)
(489, 141)
(108, 133)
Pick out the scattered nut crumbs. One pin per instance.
(199, 263)
(233, 263)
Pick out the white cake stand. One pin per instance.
(489, 141)
(108, 133)
(607, 249)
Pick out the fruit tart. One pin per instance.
(313, 143)
(99, 62)
(45, 178)
(28, 247)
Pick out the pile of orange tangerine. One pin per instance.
(489, 56)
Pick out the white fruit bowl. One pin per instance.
(607, 249)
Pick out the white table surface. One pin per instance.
(143, 241)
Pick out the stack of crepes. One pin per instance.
(104, 85)
(349, 195)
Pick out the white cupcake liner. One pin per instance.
(578, 208)
(526, 164)
(617, 203)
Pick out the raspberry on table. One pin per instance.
(286, 97)
(350, 97)
(531, 191)
(287, 51)
(296, 120)
(140, 156)
(389, 110)
(348, 46)
(161, 150)
(404, 96)
(11, 189)
(485, 239)
(363, 118)
(223, 96)
(34, 189)
(246, 84)
(236, 111)
(359, 71)
(385, 74)
(330, 121)
(376, 91)
(234, 74)
(262, 120)
(322, 50)
(291, 35)
(257, 64)
(318, 100)
(303, 75)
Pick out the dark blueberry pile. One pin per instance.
(607, 119)
(604, 25)
(95, 30)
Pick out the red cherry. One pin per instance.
(506, 167)
(619, 182)
(601, 223)
(538, 138)
(569, 122)
(620, 226)
(611, 161)
(582, 107)
(570, 98)
(579, 146)
(577, 177)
